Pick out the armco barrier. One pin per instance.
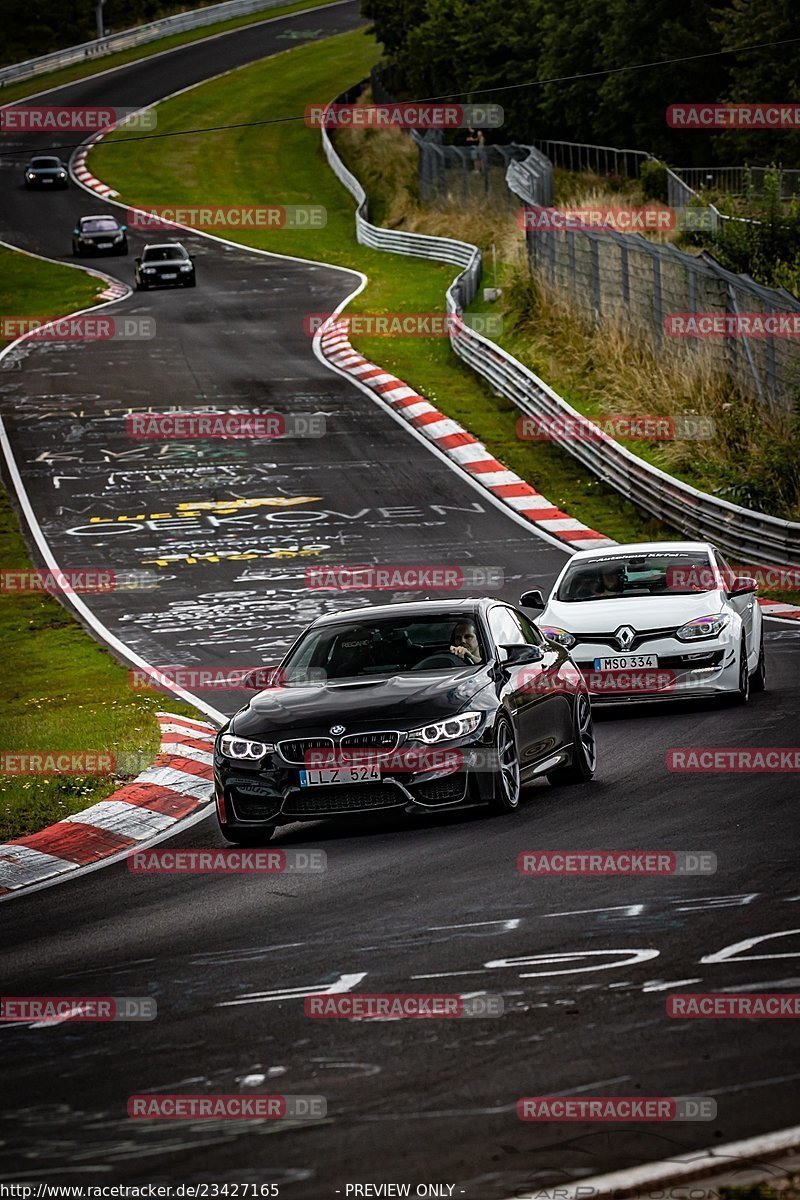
(133, 37)
(740, 532)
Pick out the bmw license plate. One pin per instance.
(170, 275)
(365, 774)
(104, 245)
(626, 662)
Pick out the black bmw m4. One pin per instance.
(419, 707)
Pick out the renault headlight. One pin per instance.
(558, 635)
(236, 747)
(703, 627)
(445, 731)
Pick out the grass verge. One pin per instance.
(33, 287)
(282, 164)
(56, 79)
(62, 691)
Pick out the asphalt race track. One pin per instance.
(584, 965)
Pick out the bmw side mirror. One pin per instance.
(741, 585)
(124, 228)
(533, 599)
(261, 678)
(522, 652)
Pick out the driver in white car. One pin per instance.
(606, 584)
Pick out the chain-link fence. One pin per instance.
(652, 288)
(733, 180)
(746, 535)
(648, 286)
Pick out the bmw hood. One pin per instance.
(641, 612)
(399, 702)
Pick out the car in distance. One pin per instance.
(46, 171)
(102, 234)
(167, 265)
(673, 613)
(418, 707)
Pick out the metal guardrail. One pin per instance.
(179, 23)
(742, 533)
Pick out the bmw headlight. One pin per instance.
(148, 270)
(703, 627)
(117, 237)
(186, 267)
(31, 174)
(445, 731)
(62, 174)
(236, 747)
(558, 635)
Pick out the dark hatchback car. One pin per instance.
(168, 265)
(46, 171)
(102, 234)
(420, 707)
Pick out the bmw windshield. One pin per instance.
(388, 646)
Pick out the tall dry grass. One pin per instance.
(609, 367)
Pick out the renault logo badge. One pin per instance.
(625, 637)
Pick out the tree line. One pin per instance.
(573, 58)
(29, 28)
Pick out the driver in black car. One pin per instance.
(465, 643)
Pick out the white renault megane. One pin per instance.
(657, 621)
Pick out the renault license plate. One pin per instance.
(626, 662)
